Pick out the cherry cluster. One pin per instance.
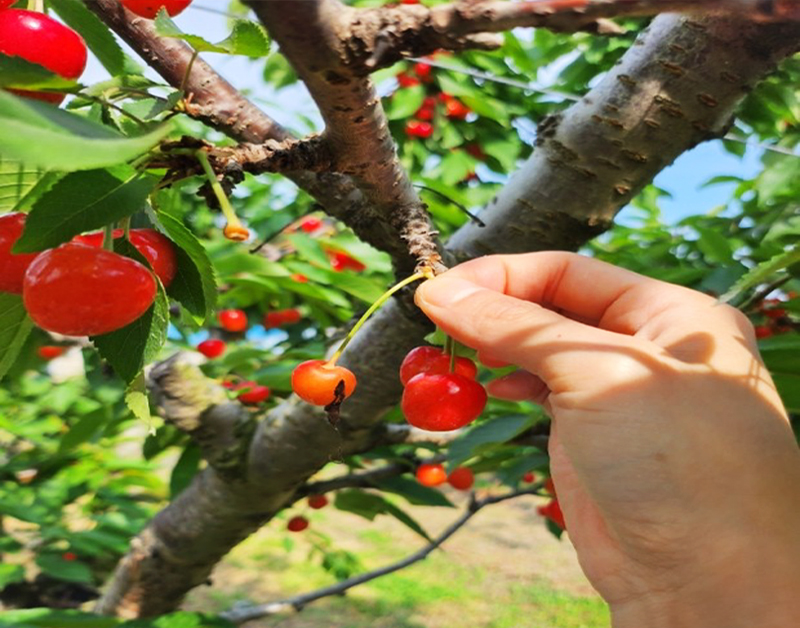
(776, 318)
(298, 523)
(437, 397)
(79, 288)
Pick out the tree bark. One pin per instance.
(678, 86)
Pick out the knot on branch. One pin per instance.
(311, 154)
(199, 407)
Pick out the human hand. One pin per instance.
(674, 461)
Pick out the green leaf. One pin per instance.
(194, 285)
(49, 618)
(73, 143)
(762, 273)
(14, 329)
(247, 38)
(129, 349)
(184, 470)
(96, 34)
(405, 102)
(137, 401)
(83, 430)
(185, 619)
(369, 506)
(414, 492)
(10, 574)
(492, 432)
(16, 72)
(83, 201)
(70, 570)
(16, 180)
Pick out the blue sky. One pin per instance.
(682, 180)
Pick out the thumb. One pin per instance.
(511, 329)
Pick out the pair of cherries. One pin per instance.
(433, 474)
(80, 289)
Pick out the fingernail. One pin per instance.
(445, 292)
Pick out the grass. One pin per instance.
(506, 573)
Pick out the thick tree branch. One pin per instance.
(356, 127)
(220, 105)
(242, 614)
(678, 86)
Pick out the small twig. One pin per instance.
(472, 216)
(760, 295)
(361, 479)
(248, 613)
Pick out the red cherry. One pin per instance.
(79, 290)
(317, 501)
(212, 348)
(425, 113)
(278, 318)
(157, 249)
(12, 265)
(476, 151)
(552, 511)
(529, 477)
(4, 4)
(549, 486)
(429, 474)
(69, 556)
(310, 224)
(406, 80)
(50, 352)
(456, 110)
(149, 8)
(253, 393)
(415, 128)
(409, 1)
(774, 313)
(762, 331)
(42, 40)
(297, 524)
(342, 261)
(232, 320)
(315, 381)
(461, 478)
(444, 97)
(299, 278)
(439, 403)
(433, 361)
(423, 71)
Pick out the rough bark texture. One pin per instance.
(221, 106)
(677, 86)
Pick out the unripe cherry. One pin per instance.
(316, 381)
(431, 474)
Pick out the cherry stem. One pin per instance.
(372, 309)
(108, 238)
(36, 5)
(125, 223)
(222, 198)
(186, 74)
(453, 347)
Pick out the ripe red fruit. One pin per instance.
(529, 477)
(211, 348)
(310, 224)
(425, 113)
(42, 40)
(762, 331)
(79, 290)
(299, 278)
(253, 393)
(232, 320)
(297, 524)
(409, 1)
(156, 248)
(429, 474)
(456, 110)
(552, 511)
(549, 486)
(50, 352)
(317, 501)
(433, 361)
(342, 261)
(461, 478)
(406, 80)
(12, 266)
(416, 128)
(278, 318)
(424, 71)
(439, 403)
(149, 8)
(315, 381)
(4, 4)
(69, 556)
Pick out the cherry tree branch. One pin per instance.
(359, 479)
(242, 614)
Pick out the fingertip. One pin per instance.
(444, 292)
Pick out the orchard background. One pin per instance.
(357, 143)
